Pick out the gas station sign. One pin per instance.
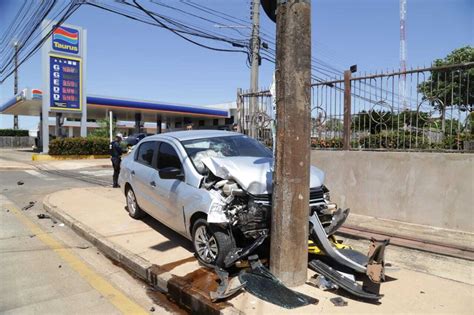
(64, 67)
(65, 83)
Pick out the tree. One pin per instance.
(103, 130)
(450, 87)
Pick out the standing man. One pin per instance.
(116, 157)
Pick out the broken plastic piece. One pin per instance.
(322, 283)
(338, 219)
(216, 210)
(28, 206)
(354, 255)
(320, 238)
(338, 301)
(260, 282)
(240, 253)
(343, 282)
(226, 288)
(376, 256)
(313, 249)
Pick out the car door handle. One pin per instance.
(153, 184)
(132, 172)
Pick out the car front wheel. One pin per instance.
(211, 243)
(132, 206)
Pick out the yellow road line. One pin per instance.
(113, 295)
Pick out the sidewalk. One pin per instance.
(12, 159)
(164, 258)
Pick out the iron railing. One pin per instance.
(428, 109)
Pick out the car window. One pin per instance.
(167, 157)
(240, 145)
(145, 152)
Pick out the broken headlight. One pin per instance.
(326, 195)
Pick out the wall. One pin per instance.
(425, 188)
(16, 142)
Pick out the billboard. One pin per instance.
(65, 83)
(66, 39)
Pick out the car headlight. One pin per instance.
(326, 195)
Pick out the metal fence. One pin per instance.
(256, 122)
(427, 109)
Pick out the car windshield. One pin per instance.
(241, 145)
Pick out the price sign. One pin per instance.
(65, 83)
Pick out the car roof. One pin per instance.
(194, 134)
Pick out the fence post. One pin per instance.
(346, 137)
(239, 110)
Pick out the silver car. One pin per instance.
(213, 187)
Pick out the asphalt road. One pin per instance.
(46, 267)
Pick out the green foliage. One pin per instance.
(394, 140)
(79, 146)
(403, 140)
(13, 133)
(377, 121)
(104, 127)
(335, 143)
(451, 87)
(334, 124)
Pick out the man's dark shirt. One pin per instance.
(116, 151)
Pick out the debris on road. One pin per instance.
(152, 309)
(241, 253)
(321, 282)
(338, 301)
(226, 288)
(259, 281)
(376, 263)
(343, 282)
(28, 206)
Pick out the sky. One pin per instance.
(134, 60)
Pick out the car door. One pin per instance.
(169, 193)
(141, 172)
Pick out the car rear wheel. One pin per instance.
(211, 243)
(132, 206)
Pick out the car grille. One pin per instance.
(316, 195)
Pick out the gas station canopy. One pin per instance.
(28, 103)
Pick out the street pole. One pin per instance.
(255, 46)
(346, 136)
(111, 122)
(15, 83)
(289, 229)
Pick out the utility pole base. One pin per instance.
(290, 213)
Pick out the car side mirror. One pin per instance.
(171, 173)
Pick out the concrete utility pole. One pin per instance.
(289, 230)
(255, 45)
(15, 83)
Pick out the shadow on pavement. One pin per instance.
(174, 239)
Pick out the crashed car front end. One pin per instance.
(240, 188)
(241, 196)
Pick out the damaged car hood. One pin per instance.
(253, 174)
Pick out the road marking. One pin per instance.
(97, 173)
(113, 295)
(39, 175)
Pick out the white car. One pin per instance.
(213, 187)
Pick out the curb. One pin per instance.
(47, 157)
(174, 286)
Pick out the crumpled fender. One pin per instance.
(320, 238)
